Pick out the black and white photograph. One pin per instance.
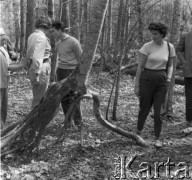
(96, 89)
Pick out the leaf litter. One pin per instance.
(96, 159)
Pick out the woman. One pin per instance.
(153, 75)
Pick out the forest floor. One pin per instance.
(105, 155)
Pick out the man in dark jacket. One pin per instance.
(184, 53)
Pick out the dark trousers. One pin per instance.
(68, 99)
(188, 95)
(3, 105)
(152, 90)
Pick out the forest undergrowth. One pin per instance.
(104, 154)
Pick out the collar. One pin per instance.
(66, 36)
(40, 31)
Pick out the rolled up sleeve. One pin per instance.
(144, 50)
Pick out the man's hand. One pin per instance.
(168, 80)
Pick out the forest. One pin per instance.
(40, 144)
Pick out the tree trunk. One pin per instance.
(110, 25)
(74, 18)
(79, 20)
(122, 45)
(118, 44)
(23, 27)
(51, 9)
(118, 30)
(110, 32)
(25, 135)
(65, 17)
(17, 25)
(85, 21)
(175, 33)
(30, 26)
(52, 40)
(140, 23)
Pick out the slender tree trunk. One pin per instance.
(79, 20)
(110, 31)
(51, 9)
(60, 9)
(117, 41)
(140, 22)
(110, 25)
(123, 23)
(175, 33)
(128, 22)
(17, 24)
(86, 19)
(23, 27)
(30, 22)
(118, 30)
(52, 40)
(65, 17)
(74, 18)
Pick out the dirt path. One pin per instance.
(104, 152)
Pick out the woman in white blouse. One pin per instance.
(153, 75)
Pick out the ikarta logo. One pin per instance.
(169, 170)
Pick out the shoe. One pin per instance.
(158, 144)
(138, 132)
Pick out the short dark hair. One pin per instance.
(161, 28)
(43, 22)
(58, 25)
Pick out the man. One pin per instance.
(184, 53)
(4, 62)
(8, 46)
(69, 53)
(37, 59)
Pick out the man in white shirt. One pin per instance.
(4, 62)
(38, 59)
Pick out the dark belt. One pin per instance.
(154, 69)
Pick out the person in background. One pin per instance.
(4, 62)
(69, 53)
(153, 75)
(8, 46)
(37, 59)
(184, 53)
